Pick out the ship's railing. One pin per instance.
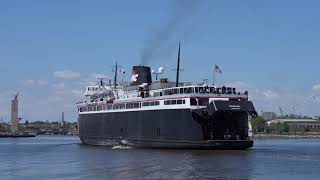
(198, 90)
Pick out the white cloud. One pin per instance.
(58, 86)
(314, 98)
(92, 79)
(66, 74)
(41, 82)
(270, 99)
(30, 82)
(78, 93)
(35, 82)
(96, 76)
(255, 92)
(316, 87)
(270, 94)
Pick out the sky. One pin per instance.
(50, 50)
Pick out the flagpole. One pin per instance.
(214, 75)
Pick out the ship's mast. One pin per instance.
(115, 75)
(178, 67)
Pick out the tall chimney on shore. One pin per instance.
(14, 115)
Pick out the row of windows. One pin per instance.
(93, 88)
(306, 126)
(211, 90)
(152, 103)
(119, 106)
(193, 102)
(133, 105)
(173, 102)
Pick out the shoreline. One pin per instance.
(286, 136)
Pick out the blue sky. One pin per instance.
(49, 50)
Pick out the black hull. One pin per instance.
(174, 128)
(173, 144)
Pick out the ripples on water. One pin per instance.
(55, 157)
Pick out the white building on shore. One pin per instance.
(303, 125)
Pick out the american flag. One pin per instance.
(217, 69)
(122, 70)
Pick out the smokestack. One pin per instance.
(140, 75)
(178, 67)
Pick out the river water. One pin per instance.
(64, 157)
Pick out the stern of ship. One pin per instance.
(226, 124)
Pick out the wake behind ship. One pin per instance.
(165, 114)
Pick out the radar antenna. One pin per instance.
(159, 72)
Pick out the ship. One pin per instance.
(164, 114)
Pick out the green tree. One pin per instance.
(257, 124)
(285, 127)
(280, 127)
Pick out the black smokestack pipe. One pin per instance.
(178, 67)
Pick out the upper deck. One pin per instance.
(190, 92)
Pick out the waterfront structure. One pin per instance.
(62, 123)
(165, 114)
(267, 116)
(14, 122)
(299, 125)
(14, 115)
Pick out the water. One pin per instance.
(63, 157)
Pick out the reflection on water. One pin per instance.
(65, 158)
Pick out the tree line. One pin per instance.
(259, 125)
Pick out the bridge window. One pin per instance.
(196, 89)
(175, 91)
(212, 90)
(229, 90)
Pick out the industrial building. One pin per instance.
(299, 125)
